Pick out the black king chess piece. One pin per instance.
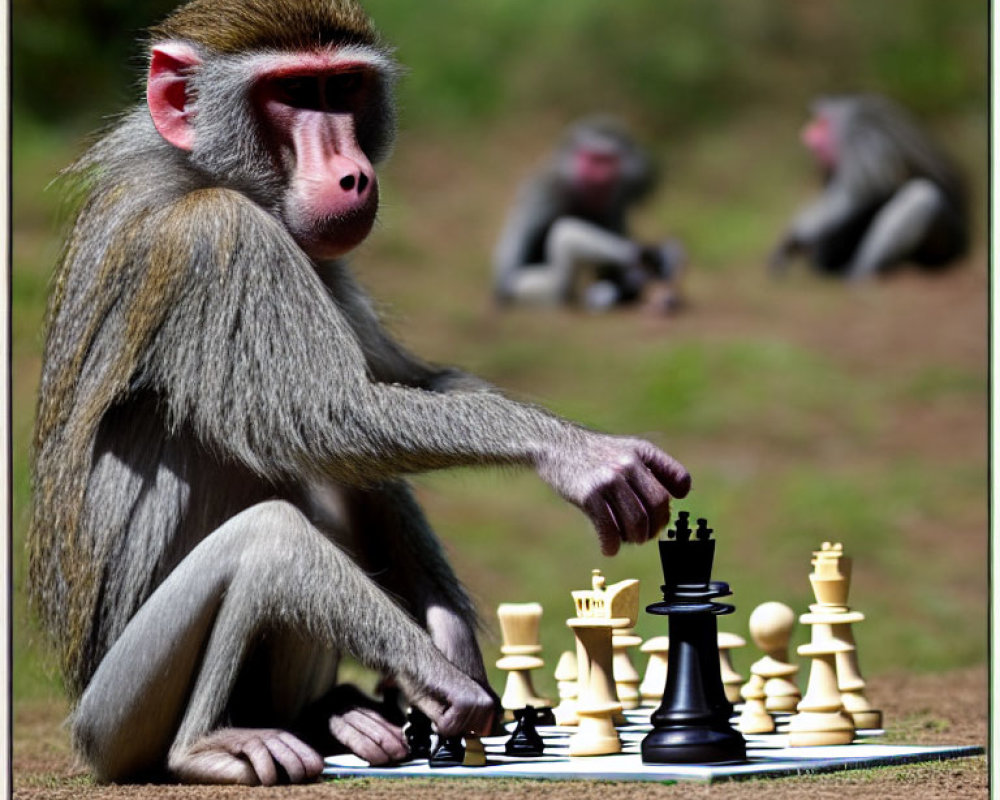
(692, 723)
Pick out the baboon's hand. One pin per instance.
(245, 755)
(624, 485)
(454, 702)
(777, 262)
(368, 735)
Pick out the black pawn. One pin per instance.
(546, 716)
(525, 741)
(450, 752)
(418, 734)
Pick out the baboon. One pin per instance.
(224, 426)
(891, 194)
(568, 225)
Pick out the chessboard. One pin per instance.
(690, 677)
(767, 756)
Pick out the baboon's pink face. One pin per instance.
(309, 109)
(818, 136)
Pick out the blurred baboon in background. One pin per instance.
(568, 229)
(891, 194)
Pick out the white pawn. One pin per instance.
(755, 718)
(771, 630)
(731, 679)
(625, 674)
(475, 752)
(655, 680)
(566, 677)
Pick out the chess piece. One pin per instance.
(851, 684)
(849, 680)
(651, 688)
(418, 734)
(625, 674)
(821, 719)
(519, 623)
(525, 740)
(566, 676)
(754, 718)
(545, 716)
(475, 753)
(770, 627)
(731, 679)
(450, 752)
(692, 722)
(598, 612)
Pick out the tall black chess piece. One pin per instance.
(692, 722)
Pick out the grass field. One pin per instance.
(806, 411)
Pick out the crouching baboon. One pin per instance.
(567, 229)
(223, 423)
(891, 195)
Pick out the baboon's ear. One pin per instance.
(167, 92)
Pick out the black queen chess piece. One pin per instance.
(692, 723)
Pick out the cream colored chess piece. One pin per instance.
(655, 679)
(849, 680)
(625, 674)
(475, 753)
(598, 612)
(852, 685)
(821, 719)
(565, 675)
(770, 627)
(754, 718)
(519, 624)
(731, 679)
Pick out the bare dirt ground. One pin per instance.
(948, 708)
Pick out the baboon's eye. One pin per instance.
(342, 89)
(299, 92)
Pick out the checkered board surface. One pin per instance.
(767, 755)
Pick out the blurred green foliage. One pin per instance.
(668, 63)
